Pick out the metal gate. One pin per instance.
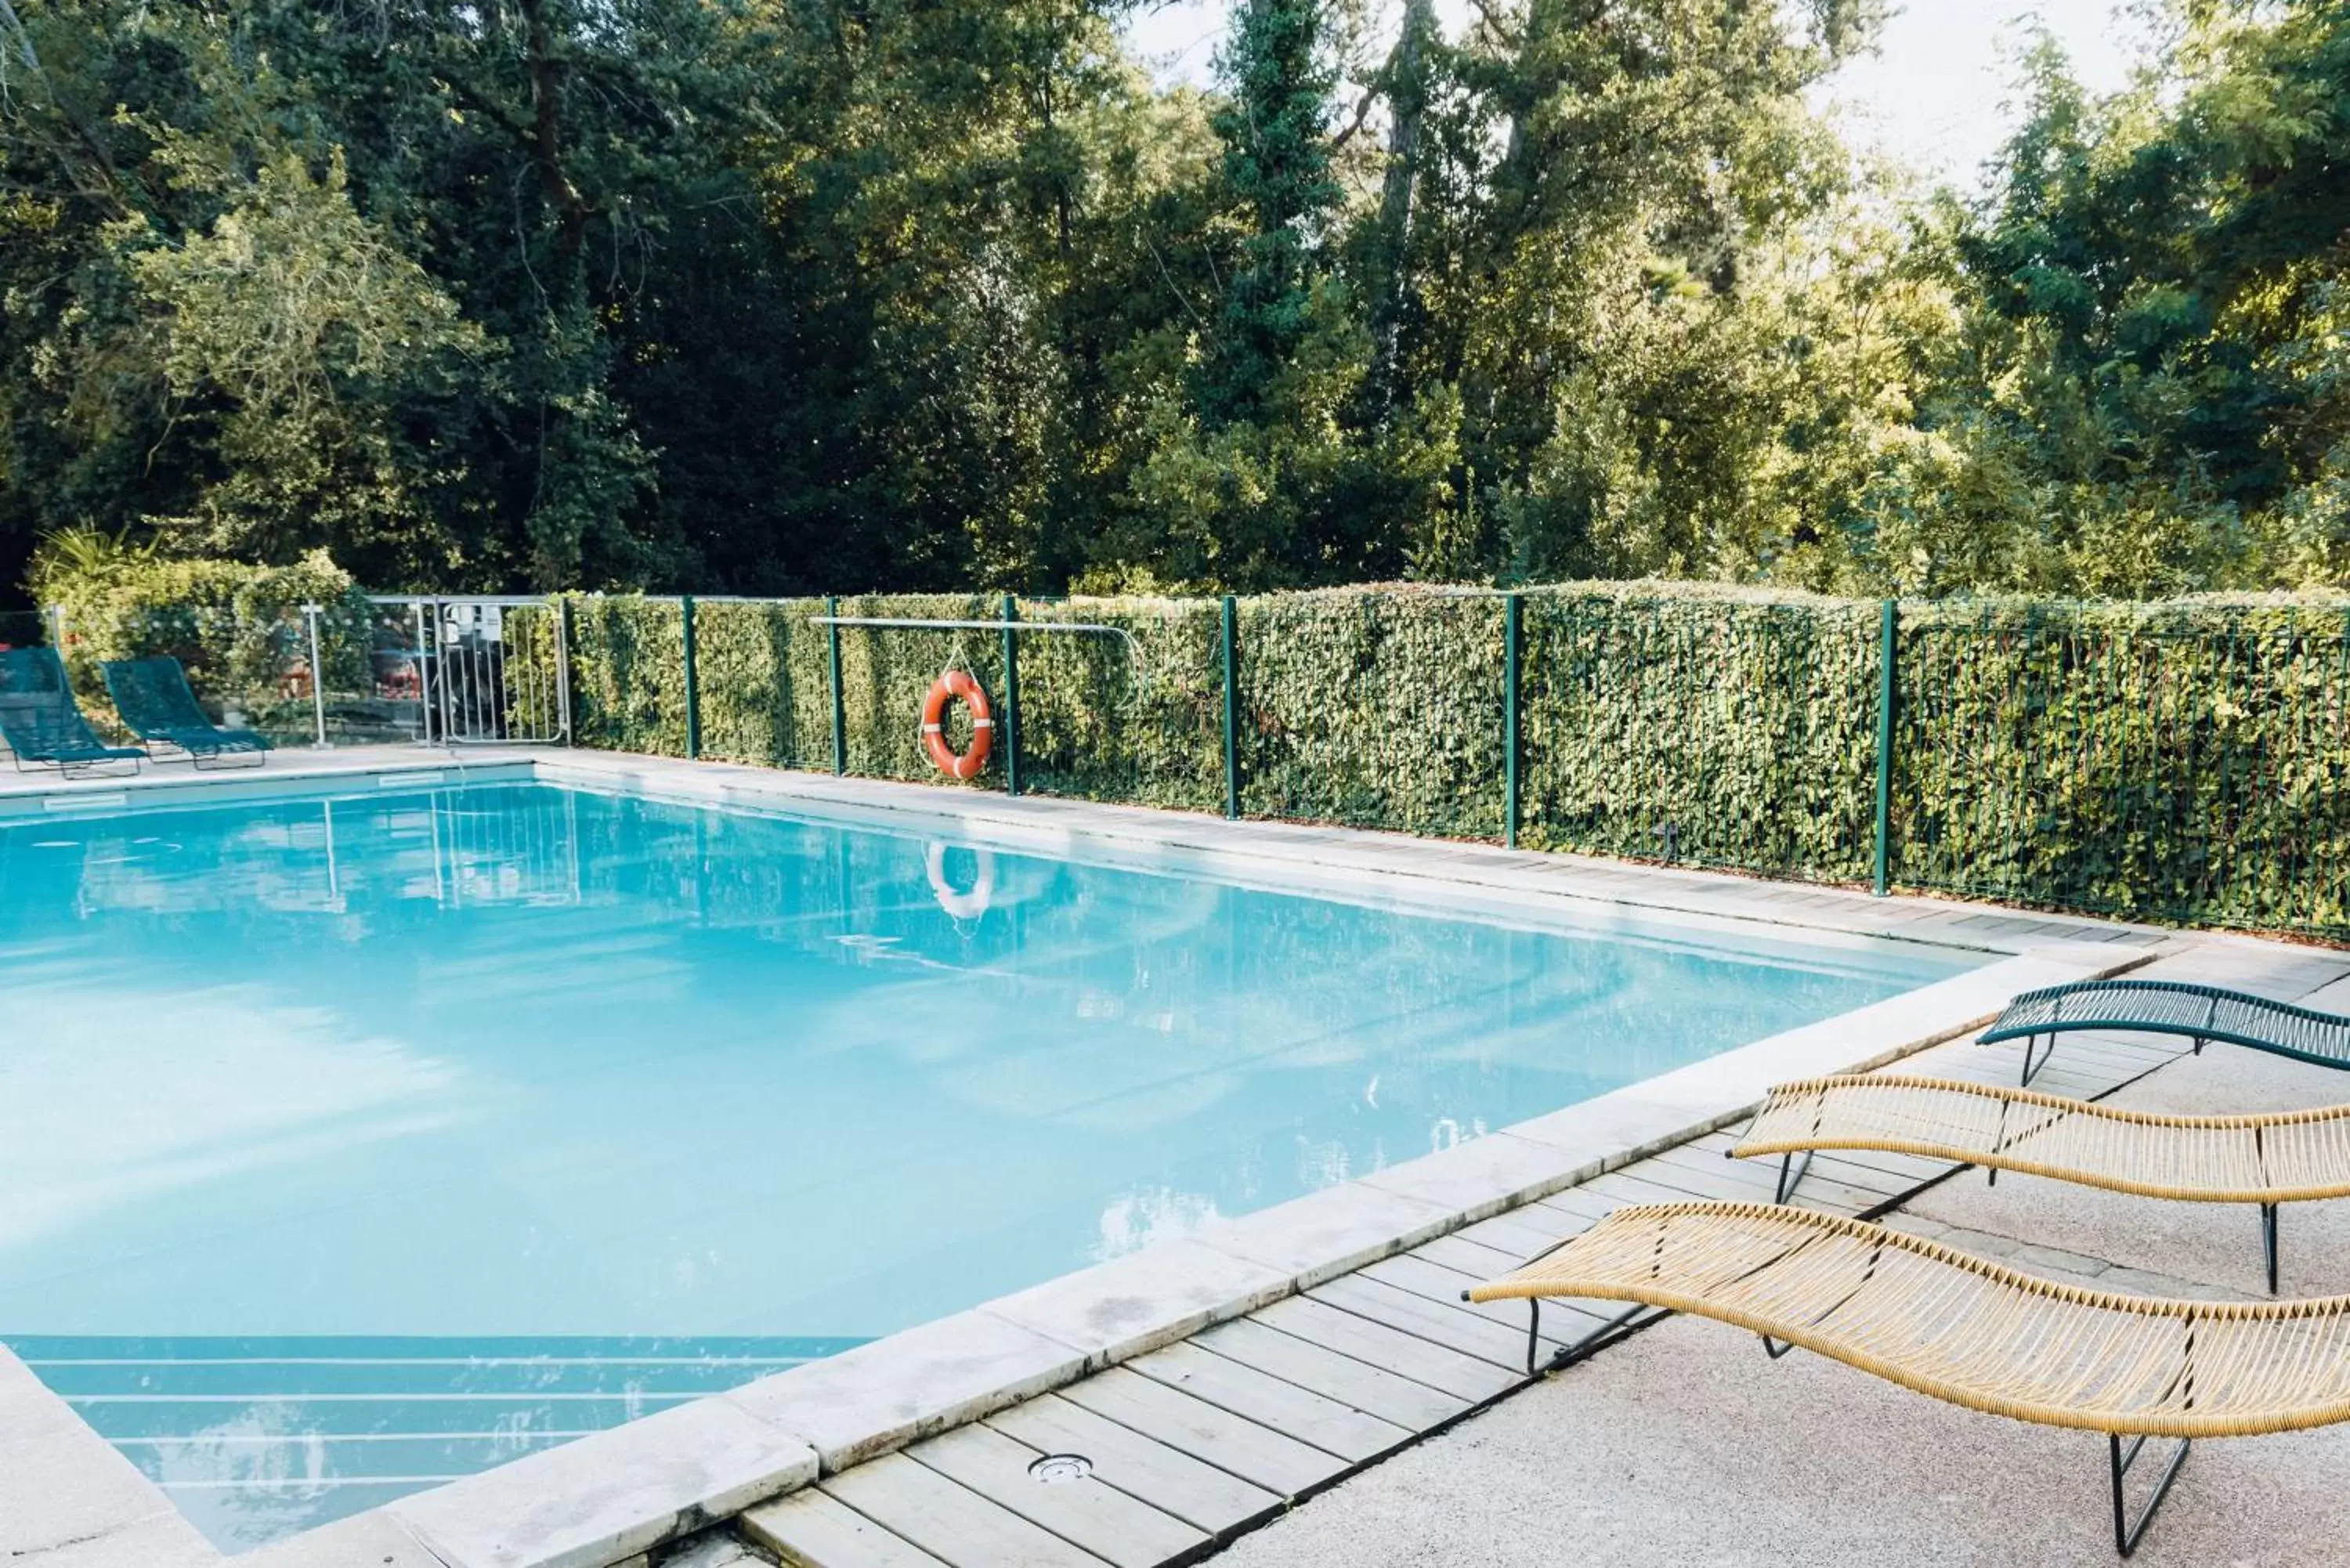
(479, 670)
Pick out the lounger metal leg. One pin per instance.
(1628, 1322)
(2030, 1066)
(2127, 1530)
(1774, 1348)
(2268, 1242)
(1791, 1171)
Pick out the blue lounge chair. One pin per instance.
(2201, 1012)
(154, 699)
(42, 724)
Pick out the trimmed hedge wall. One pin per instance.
(1718, 729)
(2186, 760)
(1376, 709)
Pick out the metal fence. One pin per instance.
(475, 670)
(2189, 762)
(436, 670)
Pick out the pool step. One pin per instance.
(254, 1436)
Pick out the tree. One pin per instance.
(788, 295)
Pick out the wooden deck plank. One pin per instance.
(1470, 1257)
(1565, 1318)
(1233, 1443)
(1912, 1171)
(1675, 1184)
(1840, 1162)
(1626, 1187)
(1082, 1510)
(813, 1529)
(1446, 1324)
(1168, 1479)
(1527, 1232)
(1879, 1185)
(1907, 1169)
(1374, 1390)
(1755, 1182)
(1318, 1322)
(1308, 1417)
(947, 1520)
(1438, 1282)
(1578, 1203)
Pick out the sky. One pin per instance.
(1932, 97)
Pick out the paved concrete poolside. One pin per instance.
(1687, 1446)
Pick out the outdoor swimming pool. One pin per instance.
(353, 1145)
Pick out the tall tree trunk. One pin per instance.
(1407, 91)
(546, 74)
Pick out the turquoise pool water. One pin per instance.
(352, 1145)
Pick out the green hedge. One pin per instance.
(764, 688)
(1716, 727)
(628, 683)
(1380, 710)
(1138, 719)
(2186, 760)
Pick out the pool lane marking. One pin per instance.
(353, 1399)
(425, 1360)
(242, 1440)
(306, 1483)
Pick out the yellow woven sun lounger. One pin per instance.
(1963, 1330)
(2266, 1158)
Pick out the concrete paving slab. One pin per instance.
(1686, 1446)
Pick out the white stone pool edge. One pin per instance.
(69, 1499)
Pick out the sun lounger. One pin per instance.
(154, 699)
(2201, 1012)
(43, 725)
(1973, 1332)
(2266, 1158)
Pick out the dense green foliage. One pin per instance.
(809, 295)
(2186, 760)
(239, 631)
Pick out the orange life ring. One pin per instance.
(957, 683)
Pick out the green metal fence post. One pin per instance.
(563, 634)
(1232, 711)
(1512, 635)
(1010, 698)
(693, 685)
(1888, 622)
(839, 708)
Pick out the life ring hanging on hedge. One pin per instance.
(947, 687)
